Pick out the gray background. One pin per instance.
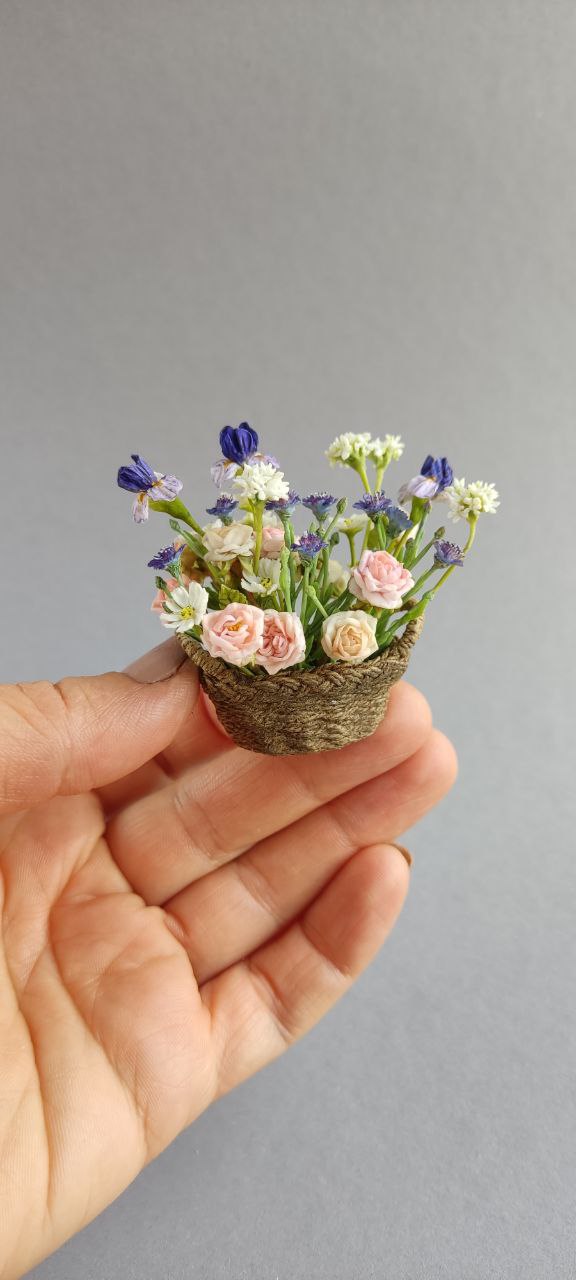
(320, 216)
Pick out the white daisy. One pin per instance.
(465, 500)
(265, 582)
(185, 607)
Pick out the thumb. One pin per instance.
(64, 738)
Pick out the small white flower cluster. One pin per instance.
(466, 500)
(354, 447)
(261, 481)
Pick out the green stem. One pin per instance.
(258, 513)
(177, 509)
(351, 537)
(381, 535)
(304, 605)
(314, 598)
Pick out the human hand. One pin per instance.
(175, 912)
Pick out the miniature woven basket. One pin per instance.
(298, 712)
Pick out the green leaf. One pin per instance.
(227, 595)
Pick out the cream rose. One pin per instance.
(234, 633)
(283, 641)
(227, 541)
(380, 579)
(349, 636)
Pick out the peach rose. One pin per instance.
(283, 642)
(349, 636)
(272, 541)
(227, 541)
(380, 579)
(234, 633)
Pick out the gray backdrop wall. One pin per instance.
(320, 216)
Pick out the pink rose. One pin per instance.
(272, 541)
(234, 633)
(283, 642)
(160, 596)
(380, 579)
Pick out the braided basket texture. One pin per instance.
(297, 712)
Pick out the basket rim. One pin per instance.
(331, 673)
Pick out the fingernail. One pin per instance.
(405, 853)
(158, 664)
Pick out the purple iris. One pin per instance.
(319, 504)
(223, 507)
(238, 443)
(165, 557)
(309, 546)
(438, 469)
(374, 504)
(398, 521)
(447, 554)
(283, 504)
(146, 483)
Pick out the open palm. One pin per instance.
(175, 912)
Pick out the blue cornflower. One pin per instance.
(319, 503)
(283, 504)
(238, 443)
(438, 469)
(223, 507)
(398, 521)
(146, 483)
(165, 557)
(374, 504)
(447, 554)
(309, 546)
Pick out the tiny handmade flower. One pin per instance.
(272, 541)
(447, 554)
(160, 598)
(319, 504)
(390, 449)
(374, 504)
(234, 633)
(349, 636)
(265, 582)
(380, 579)
(146, 484)
(185, 607)
(338, 576)
(438, 469)
(398, 521)
(223, 472)
(309, 546)
(227, 541)
(349, 448)
(223, 507)
(283, 642)
(261, 482)
(238, 444)
(466, 500)
(285, 505)
(167, 556)
(424, 487)
(353, 524)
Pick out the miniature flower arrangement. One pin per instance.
(297, 650)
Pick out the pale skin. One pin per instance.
(175, 913)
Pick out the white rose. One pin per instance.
(227, 541)
(261, 481)
(349, 636)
